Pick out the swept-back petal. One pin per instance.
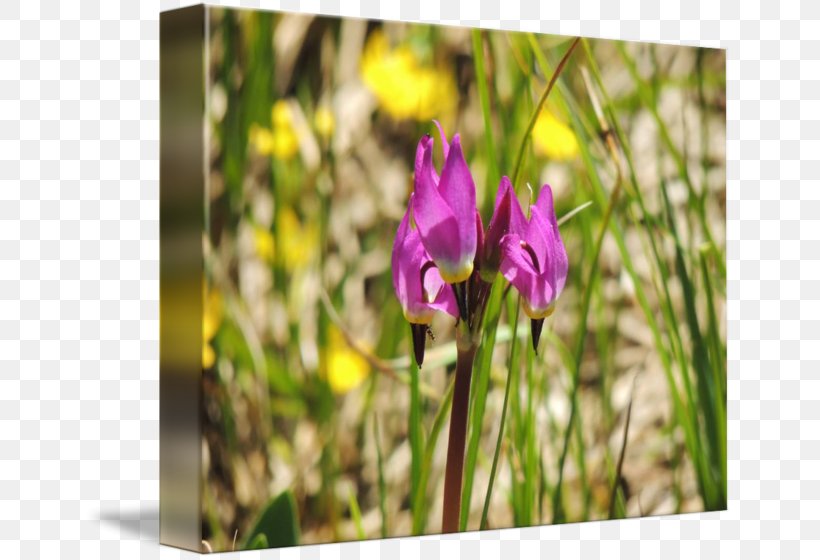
(539, 236)
(558, 253)
(445, 146)
(407, 259)
(436, 222)
(518, 269)
(458, 190)
(516, 265)
(517, 219)
(479, 232)
(439, 295)
(398, 250)
(545, 202)
(424, 146)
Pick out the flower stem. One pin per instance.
(458, 434)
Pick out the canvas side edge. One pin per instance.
(182, 187)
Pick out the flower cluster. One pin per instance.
(444, 260)
(403, 85)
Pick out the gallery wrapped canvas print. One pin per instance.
(419, 279)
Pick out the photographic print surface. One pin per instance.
(456, 279)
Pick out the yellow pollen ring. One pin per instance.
(538, 313)
(454, 276)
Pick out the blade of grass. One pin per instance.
(557, 505)
(382, 485)
(525, 140)
(707, 391)
(719, 371)
(616, 505)
(530, 446)
(356, 515)
(420, 514)
(494, 468)
(479, 398)
(493, 176)
(415, 433)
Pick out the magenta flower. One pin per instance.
(507, 218)
(535, 260)
(418, 284)
(444, 209)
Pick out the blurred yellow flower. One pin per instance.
(280, 114)
(554, 139)
(280, 141)
(211, 319)
(263, 242)
(262, 138)
(325, 122)
(403, 87)
(346, 368)
(298, 242)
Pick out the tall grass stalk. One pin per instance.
(484, 97)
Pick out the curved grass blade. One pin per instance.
(278, 524)
(382, 485)
(415, 434)
(420, 514)
(558, 69)
(484, 97)
(481, 372)
(616, 505)
(510, 373)
(356, 515)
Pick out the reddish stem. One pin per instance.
(455, 446)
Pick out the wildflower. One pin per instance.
(346, 368)
(298, 242)
(325, 122)
(419, 287)
(279, 141)
(444, 210)
(402, 85)
(211, 319)
(261, 138)
(535, 261)
(507, 218)
(264, 244)
(553, 139)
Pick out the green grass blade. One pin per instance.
(616, 499)
(382, 485)
(531, 447)
(416, 435)
(493, 176)
(481, 374)
(356, 515)
(707, 391)
(524, 141)
(557, 504)
(278, 523)
(719, 371)
(420, 514)
(510, 374)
